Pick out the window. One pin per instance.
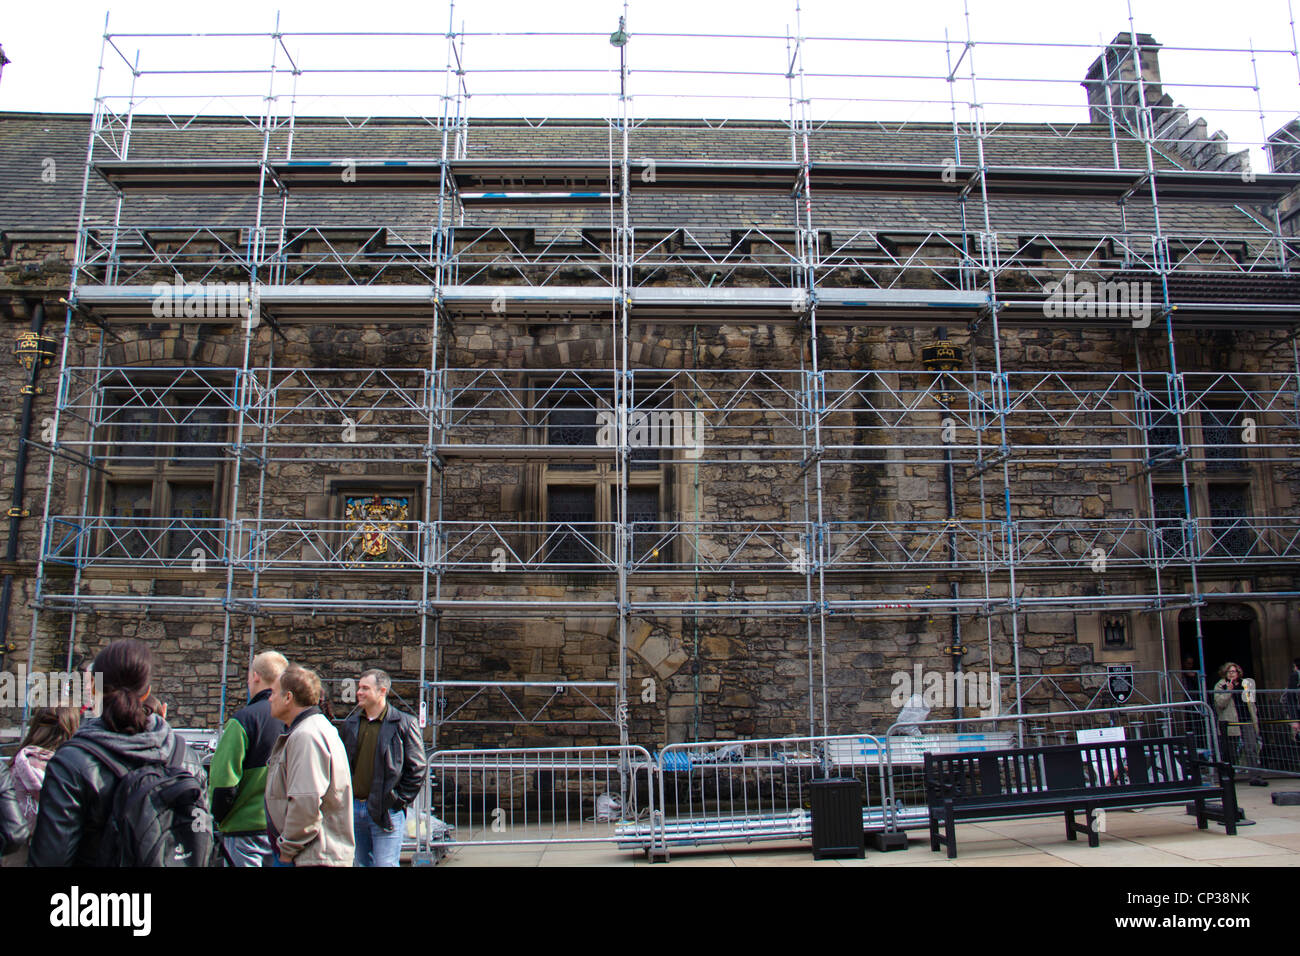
(580, 482)
(1156, 407)
(1215, 423)
(192, 527)
(128, 502)
(1230, 530)
(644, 510)
(1221, 426)
(571, 528)
(1114, 632)
(1169, 515)
(163, 464)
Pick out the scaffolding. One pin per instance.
(298, 240)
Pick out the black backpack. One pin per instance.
(159, 816)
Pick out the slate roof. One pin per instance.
(28, 203)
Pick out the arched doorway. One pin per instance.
(1229, 632)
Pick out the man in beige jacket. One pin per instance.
(308, 781)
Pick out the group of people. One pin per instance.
(285, 787)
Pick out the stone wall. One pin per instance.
(715, 675)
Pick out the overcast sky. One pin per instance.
(55, 47)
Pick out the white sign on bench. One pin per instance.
(1101, 761)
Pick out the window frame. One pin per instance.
(164, 471)
(600, 474)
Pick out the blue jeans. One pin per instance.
(246, 849)
(375, 845)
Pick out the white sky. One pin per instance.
(55, 47)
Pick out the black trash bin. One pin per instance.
(837, 818)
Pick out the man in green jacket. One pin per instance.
(237, 779)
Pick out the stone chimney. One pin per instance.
(1116, 65)
(1284, 148)
(1176, 135)
(1284, 157)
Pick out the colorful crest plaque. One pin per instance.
(373, 521)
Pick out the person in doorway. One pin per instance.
(308, 786)
(386, 753)
(1234, 699)
(237, 776)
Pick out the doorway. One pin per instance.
(1224, 641)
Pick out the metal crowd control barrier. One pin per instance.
(749, 790)
(561, 795)
(1276, 729)
(905, 801)
(740, 791)
(427, 836)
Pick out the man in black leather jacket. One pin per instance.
(386, 753)
(13, 826)
(77, 795)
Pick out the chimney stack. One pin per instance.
(1113, 89)
(1116, 66)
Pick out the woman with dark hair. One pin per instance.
(77, 796)
(49, 729)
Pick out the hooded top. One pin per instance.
(152, 745)
(77, 794)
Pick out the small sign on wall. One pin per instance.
(1119, 681)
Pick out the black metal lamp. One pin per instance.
(942, 356)
(33, 347)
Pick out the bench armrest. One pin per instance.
(1225, 770)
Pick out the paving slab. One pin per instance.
(1157, 836)
(1204, 847)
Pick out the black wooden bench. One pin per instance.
(1039, 781)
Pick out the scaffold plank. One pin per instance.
(315, 175)
(530, 182)
(339, 303)
(181, 175)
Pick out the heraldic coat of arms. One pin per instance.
(375, 523)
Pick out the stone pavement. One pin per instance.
(1160, 836)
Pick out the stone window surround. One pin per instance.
(164, 472)
(601, 476)
(1198, 428)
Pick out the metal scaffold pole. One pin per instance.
(799, 284)
(623, 379)
(431, 554)
(990, 261)
(1146, 132)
